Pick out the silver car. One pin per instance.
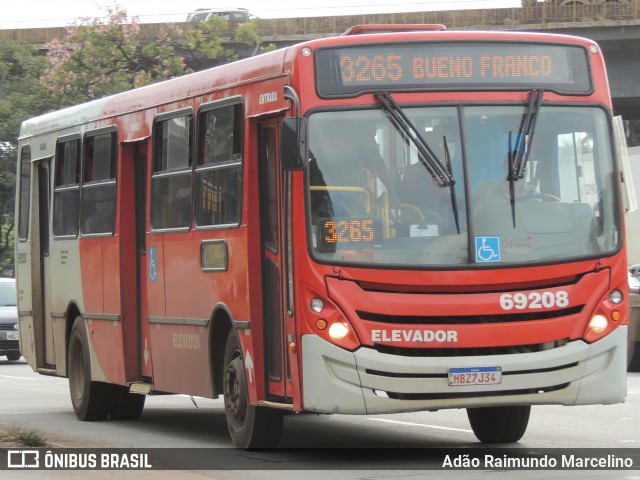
(9, 335)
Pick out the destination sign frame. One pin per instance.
(351, 70)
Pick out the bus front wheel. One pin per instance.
(499, 424)
(91, 400)
(250, 426)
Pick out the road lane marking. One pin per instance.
(411, 424)
(28, 412)
(19, 378)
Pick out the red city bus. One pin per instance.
(386, 221)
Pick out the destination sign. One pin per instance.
(355, 232)
(353, 70)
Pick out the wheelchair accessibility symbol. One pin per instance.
(487, 249)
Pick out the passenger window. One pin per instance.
(171, 198)
(98, 196)
(66, 196)
(219, 168)
(25, 193)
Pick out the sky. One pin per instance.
(47, 13)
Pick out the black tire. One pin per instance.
(633, 355)
(12, 357)
(90, 400)
(250, 427)
(499, 424)
(125, 405)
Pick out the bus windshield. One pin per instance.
(375, 200)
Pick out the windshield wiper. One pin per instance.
(525, 135)
(518, 157)
(511, 156)
(452, 188)
(440, 174)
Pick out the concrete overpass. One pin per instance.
(615, 26)
(621, 48)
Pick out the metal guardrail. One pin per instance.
(544, 15)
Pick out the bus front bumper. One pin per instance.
(369, 382)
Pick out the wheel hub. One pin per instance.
(235, 390)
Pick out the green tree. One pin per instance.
(100, 57)
(21, 96)
(95, 58)
(202, 44)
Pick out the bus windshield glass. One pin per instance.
(375, 201)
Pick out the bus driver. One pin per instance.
(346, 171)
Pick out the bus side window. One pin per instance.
(171, 197)
(66, 197)
(98, 196)
(219, 167)
(25, 193)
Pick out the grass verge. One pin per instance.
(20, 437)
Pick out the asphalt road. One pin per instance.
(34, 402)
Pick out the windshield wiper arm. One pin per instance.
(452, 188)
(441, 175)
(525, 135)
(518, 157)
(511, 157)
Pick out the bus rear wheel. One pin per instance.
(499, 424)
(91, 400)
(250, 426)
(125, 405)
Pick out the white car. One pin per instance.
(9, 335)
(238, 15)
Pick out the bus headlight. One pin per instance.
(327, 320)
(316, 304)
(616, 297)
(598, 324)
(338, 331)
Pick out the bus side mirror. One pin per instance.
(293, 143)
